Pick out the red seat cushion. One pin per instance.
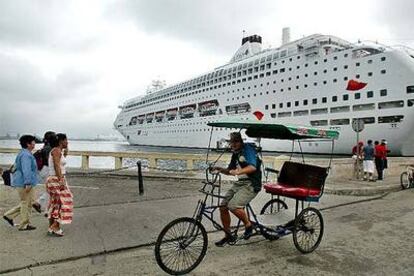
(291, 191)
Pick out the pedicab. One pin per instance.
(182, 244)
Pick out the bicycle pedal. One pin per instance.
(234, 242)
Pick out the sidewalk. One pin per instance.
(338, 186)
(111, 216)
(362, 188)
(342, 186)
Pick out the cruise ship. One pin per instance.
(319, 80)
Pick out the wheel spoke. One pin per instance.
(308, 231)
(180, 246)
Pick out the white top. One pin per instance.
(62, 164)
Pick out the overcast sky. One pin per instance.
(67, 65)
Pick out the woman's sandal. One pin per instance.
(55, 233)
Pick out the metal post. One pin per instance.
(140, 181)
(358, 161)
(357, 138)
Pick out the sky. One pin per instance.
(67, 65)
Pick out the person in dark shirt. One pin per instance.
(245, 164)
(379, 159)
(368, 163)
(43, 174)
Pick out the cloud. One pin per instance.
(76, 60)
(71, 80)
(57, 25)
(397, 17)
(207, 23)
(22, 81)
(31, 102)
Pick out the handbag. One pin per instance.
(6, 175)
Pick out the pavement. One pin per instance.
(367, 238)
(111, 216)
(337, 186)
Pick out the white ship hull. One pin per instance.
(302, 85)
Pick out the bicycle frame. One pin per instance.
(207, 211)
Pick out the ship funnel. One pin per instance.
(252, 39)
(285, 35)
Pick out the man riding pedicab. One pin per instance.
(245, 164)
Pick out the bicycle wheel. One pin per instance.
(308, 230)
(181, 246)
(273, 206)
(405, 180)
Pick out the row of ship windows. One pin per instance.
(267, 67)
(345, 97)
(345, 108)
(239, 74)
(325, 82)
(333, 122)
(305, 102)
(274, 72)
(282, 56)
(172, 125)
(319, 111)
(357, 76)
(334, 80)
(367, 120)
(267, 60)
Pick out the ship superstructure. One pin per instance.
(319, 80)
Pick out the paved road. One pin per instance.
(370, 238)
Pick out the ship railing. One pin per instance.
(408, 50)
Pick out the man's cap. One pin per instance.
(235, 137)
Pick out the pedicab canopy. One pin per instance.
(271, 130)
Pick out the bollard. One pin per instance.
(140, 181)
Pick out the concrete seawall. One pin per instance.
(341, 168)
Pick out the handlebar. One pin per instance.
(272, 170)
(210, 176)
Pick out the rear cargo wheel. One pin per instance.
(308, 230)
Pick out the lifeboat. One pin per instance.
(159, 116)
(133, 121)
(208, 108)
(238, 108)
(141, 119)
(149, 117)
(171, 114)
(187, 111)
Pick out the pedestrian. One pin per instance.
(45, 151)
(60, 209)
(368, 163)
(43, 200)
(357, 157)
(379, 159)
(24, 180)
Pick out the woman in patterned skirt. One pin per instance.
(60, 209)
